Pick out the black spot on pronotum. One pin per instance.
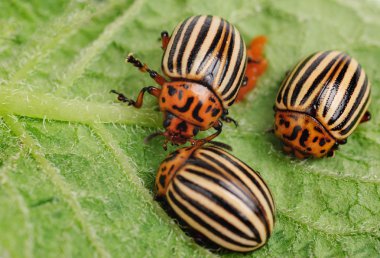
(180, 94)
(212, 99)
(196, 112)
(208, 109)
(162, 180)
(172, 90)
(294, 134)
(182, 127)
(308, 149)
(322, 151)
(287, 124)
(172, 156)
(282, 121)
(185, 107)
(215, 112)
(163, 99)
(163, 168)
(322, 142)
(304, 136)
(315, 139)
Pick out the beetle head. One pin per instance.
(178, 131)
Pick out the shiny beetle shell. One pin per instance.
(320, 103)
(218, 196)
(210, 51)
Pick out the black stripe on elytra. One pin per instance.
(236, 88)
(358, 100)
(304, 136)
(185, 43)
(193, 216)
(199, 42)
(319, 78)
(213, 69)
(226, 67)
(282, 86)
(359, 116)
(310, 69)
(223, 221)
(220, 53)
(335, 84)
(294, 134)
(212, 166)
(185, 107)
(196, 112)
(175, 45)
(239, 166)
(211, 49)
(259, 211)
(240, 61)
(347, 95)
(291, 80)
(236, 191)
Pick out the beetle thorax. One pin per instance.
(303, 134)
(190, 102)
(171, 164)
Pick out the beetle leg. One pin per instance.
(144, 68)
(164, 39)
(139, 101)
(366, 117)
(228, 119)
(217, 126)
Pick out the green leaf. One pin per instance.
(75, 177)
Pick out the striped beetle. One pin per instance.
(205, 59)
(320, 103)
(219, 198)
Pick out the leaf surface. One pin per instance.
(75, 177)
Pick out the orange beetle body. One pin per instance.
(320, 103)
(205, 59)
(217, 197)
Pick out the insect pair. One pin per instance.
(217, 196)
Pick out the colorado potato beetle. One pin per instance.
(218, 197)
(205, 59)
(320, 103)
